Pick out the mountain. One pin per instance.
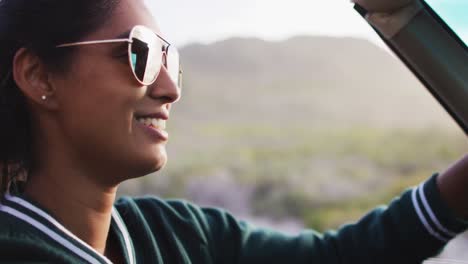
(321, 81)
(318, 129)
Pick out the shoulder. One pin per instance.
(11, 228)
(151, 206)
(174, 208)
(177, 215)
(18, 237)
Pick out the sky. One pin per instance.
(455, 13)
(206, 21)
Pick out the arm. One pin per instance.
(412, 228)
(389, 17)
(453, 186)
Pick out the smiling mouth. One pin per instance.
(155, 123)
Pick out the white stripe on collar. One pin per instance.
(126, 235)
(50, 232)
(44, 229)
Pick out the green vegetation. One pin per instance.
(325, 178)
(313, 128)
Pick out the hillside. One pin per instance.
(310, 131)
(319, 80)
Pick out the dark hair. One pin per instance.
(38, 25)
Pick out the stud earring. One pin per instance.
(44, 98)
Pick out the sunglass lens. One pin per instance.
(173, 65)
(139, 58)
(145, 54)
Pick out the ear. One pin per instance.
(33, 78)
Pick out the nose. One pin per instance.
(164, 88)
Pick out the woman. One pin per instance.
(84, 96)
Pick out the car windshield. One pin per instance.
(453, 12)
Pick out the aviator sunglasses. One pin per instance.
(147, 52)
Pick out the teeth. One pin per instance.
(161, 124)
(154, 122)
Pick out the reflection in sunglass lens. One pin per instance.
(139, 58)
(145, 54)
(173, 65)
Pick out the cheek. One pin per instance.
(101, 89)
(98, 120)
(98, 99)
(96, 107)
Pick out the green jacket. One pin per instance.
(150, 230)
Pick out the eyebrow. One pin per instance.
(119, 48)
(126, 34)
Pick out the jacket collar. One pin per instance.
(32, 214)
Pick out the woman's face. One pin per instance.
(100, 101)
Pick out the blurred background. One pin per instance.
(295, 115)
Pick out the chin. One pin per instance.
(147, 166)
(145, 162)
(157, 161)
(159, 165)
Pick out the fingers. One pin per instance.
(383, 6)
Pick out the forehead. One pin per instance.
(127, 14)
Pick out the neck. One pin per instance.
(79, 190)
(79, 204)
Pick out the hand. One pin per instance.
(383, 6)
(453, 186)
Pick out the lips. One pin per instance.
(152, 122)
(154, 125)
